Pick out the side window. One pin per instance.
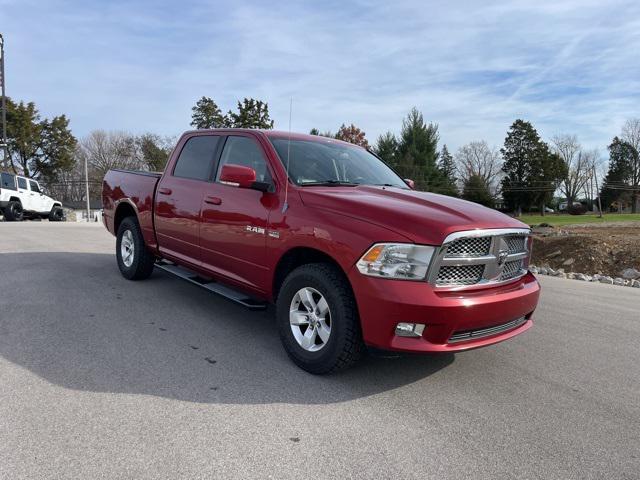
(7, 181)
(34, 186)
(246, 152)
(196, 158)
(22, 183)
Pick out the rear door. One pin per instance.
(179, 197)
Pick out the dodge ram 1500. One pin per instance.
(350, 254)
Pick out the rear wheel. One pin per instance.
(318, 320)
(135, 260)
(56, 214)
(13, 212)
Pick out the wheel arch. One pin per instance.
(123, 210)
(296, 257)
(15, 199)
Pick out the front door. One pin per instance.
(179, 198)
(26, 198)
(234, 220)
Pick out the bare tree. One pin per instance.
(477, 159)
(631, 135)
(579, 165)
(107, 150)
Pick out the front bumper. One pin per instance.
(383, 303)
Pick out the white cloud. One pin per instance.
(472, 67)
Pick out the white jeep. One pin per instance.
(22, 197)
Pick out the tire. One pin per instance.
(139, 264)
(13, 212)
(56, 214)
(343, 346)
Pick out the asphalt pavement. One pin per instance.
(105, 378)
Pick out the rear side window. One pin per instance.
(34, 186)
(22, 183)
(196, 158)
(7, 181)
(244, 151)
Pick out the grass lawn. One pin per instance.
(560, 219)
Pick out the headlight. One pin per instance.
(396, 260)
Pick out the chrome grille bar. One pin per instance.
(486, 332)
(481, 257)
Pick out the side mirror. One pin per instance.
(237, 175)
(411, 183)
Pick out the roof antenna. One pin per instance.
(285, 205)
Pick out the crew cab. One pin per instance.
(22, 197)
(349, 253)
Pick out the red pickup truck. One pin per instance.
(350, 254)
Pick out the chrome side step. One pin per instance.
(213, 286)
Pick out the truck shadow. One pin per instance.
(75, 322)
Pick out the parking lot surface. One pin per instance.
(105, 378)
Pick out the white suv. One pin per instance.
(22, 197)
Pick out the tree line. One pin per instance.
(523, 174)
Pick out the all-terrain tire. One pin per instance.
(56, 214)
(344, 346)
(139, 264)
(13, 212)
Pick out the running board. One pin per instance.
(213, 286)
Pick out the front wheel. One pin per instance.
(135, 260)
(56, 214)
(318, 319)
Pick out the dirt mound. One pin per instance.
(603, 248)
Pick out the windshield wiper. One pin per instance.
(330, 183)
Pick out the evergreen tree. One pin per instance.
(387, 148)
(251, 114)
(523, 154)
(617, 178)
(314, 131)
(207, 114)
(154, 154)
(418, 144)
(548, 170)
(38, 148)
(447, 169)
(476, 190)
(418, 152)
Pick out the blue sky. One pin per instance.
(472, 67)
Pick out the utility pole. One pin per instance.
(595, 174)
(3, 142)
(86, 181)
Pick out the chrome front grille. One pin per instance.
(516, 243)
(460, 275)
(469, 247)
(481, 257)
(511, 269)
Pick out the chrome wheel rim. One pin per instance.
(310, 319)
(127, 248)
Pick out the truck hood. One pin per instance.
(423, 217)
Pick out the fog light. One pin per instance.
(409, 329)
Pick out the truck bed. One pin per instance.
(138, 189)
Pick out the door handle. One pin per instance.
(212, 200)
(164, 191)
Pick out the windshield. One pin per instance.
(332, 163)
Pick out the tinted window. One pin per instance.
(322, 161)
(22, 183)
(244, 151)
(34, 186)
(196, 158)
(7, 181)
